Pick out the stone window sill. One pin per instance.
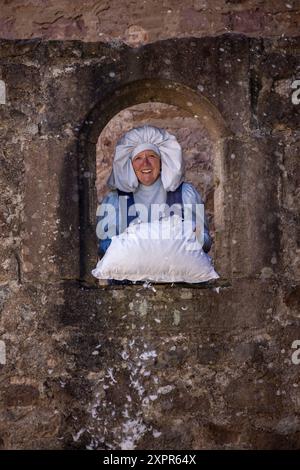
(218, 283)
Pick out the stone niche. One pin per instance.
(161, 366)
(197, 147)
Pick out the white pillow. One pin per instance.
(159, 251)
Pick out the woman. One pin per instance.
(147, 171)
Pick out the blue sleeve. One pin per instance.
(106, 222)
(191, 196)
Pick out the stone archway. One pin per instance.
(142, 91)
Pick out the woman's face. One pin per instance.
(146, 165)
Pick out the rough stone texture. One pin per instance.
(163, 367)
(138, 23)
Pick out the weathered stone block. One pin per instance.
(20, 395)
(178, 367)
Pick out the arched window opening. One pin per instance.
(195, 140)
(200, 130)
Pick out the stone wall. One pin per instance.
(141, 22)
(207, 366)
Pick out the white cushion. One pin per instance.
(160, 251)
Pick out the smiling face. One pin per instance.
(146, 165)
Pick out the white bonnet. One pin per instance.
(142, 138)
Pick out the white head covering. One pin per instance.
(141, 138)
